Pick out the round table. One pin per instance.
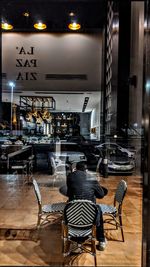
(63, 190)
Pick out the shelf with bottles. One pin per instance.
(64, 123)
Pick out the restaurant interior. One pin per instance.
(74, 88)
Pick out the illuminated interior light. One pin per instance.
(115, 25)
(71, 14)
(74, 26)
(26, 14)
(6, 26)
(40, 26)
(147, 85)
(11, 84)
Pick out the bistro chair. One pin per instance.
(59, 168)
(114, 212)
(79, 228)
(24, 167)
(45, 212)
(20, 167)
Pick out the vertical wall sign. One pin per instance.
(25, 62)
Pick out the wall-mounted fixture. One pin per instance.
(6, 26)
(40, 26)
(74, 26)
(115, 23)
(85, 103)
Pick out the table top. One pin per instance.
(63, 190)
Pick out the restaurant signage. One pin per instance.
(28, 62)
(45, 61)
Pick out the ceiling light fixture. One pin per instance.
(6, 26)
(26, 14)
(74, 26)
(71, 14)
(40, 26)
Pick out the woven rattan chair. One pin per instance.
(114, 212)
(79, 229)
(45, 212)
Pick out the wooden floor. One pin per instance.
(18, 217)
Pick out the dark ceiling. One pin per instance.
(55, 13)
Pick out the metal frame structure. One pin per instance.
(37, 102)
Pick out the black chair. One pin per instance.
(79, 228)
(114, 212)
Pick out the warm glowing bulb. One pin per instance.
(26, 14)
(71, 14)
(40, 26)
(6, 26)
(74, 26)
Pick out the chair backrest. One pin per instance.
(58, 165)
(37, 192)
(120, 192)
(80, 213)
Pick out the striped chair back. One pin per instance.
(120, 192)
(80, 213)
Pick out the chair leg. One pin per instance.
(38, 226)
(25, 175)
(65, 242)
(30, 171)
(63, 245)
(121, 227)
(95, 260)
(94, 251)
(66, 247)
(39, 220)
(116, 224)
(54, 179)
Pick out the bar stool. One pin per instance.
(20, 167)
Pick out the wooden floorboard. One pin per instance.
(18, 211)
